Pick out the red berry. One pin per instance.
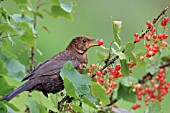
(131, 71)
(100, 42)
(166, 19)
(148, 23)
(101, 80)
(147, 45)
(147, 55)
(138, 105)
(150, 33)
(163, 23)
(164, 44)
(68, 108)
(164, 36)
(117, 67)
(141, 57)
(98, 73)
(137, 39)
(160, 36)
(103, 72)
(115, 106)
(151, 25)
(153, 30)
(154, 36)
(151, 53)
(136, 35)
(93, 66)
(114, 84)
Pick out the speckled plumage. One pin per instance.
(45, 77)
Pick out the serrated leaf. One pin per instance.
(154, 108)
(57, 11)
(77, 108)
(89, 101)
(116, 30)
(15, 68)
(129, 51)
(127, 80)
(98, 92)
(80, 82)
(26, 34)
(70, 89)
(126, 94)
(124, 68)
(129, 47)
(152, 69)
(33, 106)
(121, 55)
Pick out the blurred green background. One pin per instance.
(91, 18)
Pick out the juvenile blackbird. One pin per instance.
(45, 77)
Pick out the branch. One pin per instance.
(32, 59)
(108, 61)
(149, 75)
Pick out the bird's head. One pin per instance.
(81, 44)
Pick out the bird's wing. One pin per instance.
(52, 66)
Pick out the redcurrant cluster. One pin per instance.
(107, 78)
(153, 41)
(131, 65)
(153, 90)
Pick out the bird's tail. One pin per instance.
(25, 87)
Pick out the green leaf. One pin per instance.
(98, 92)
(129, 51)
(129, 79)
(154, 108)
(126, 94)
(3, 108)
(116, 29)
(57, 11)
(89, 101)
(3, 70)
(12, 106)
(26, 34)
(21, 1)
(121, 55)
(25, 28)
(15, 68)
(37, 14)
(129, 47)
(77, 108)
(70, 89)
(124, 68)
(5, 88)
(4, 27)
(33, 106)
(67, 7)
(152, 69)
(80, 82)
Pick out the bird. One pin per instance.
(46, 76)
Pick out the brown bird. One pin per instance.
(45, 77)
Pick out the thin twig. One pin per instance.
(32, 59)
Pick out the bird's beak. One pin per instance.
(94, 40)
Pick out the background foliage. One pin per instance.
(57, 25)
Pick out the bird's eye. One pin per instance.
(84, 41)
